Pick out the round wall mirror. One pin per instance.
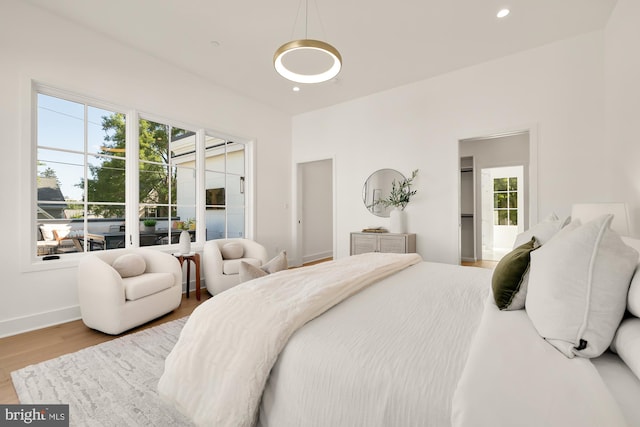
(378, 187)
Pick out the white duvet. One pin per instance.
(390, 355)
(514, 378)
(218, 368)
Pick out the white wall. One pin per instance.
(38, 45)
(622, 65)
(558, 89)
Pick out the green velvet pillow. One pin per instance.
(509, 281)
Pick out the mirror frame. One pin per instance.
(378, 187)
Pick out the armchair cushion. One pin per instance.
(136, 287)
(232, 250)
(129, 265)
(232, 266)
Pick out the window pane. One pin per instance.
(215, 153)
(185, 187)
(235, 158)
(106, 131)
(107, 180)
(235, 222)
(58, 237)
(105, 226)
(500, 217)
(215, 223)
(513, 217)
(235, 190)
(112, 211)
(500, 200)
(59, 179)
(513, 184)
(60, 123)
(513, 199)
(500, 184)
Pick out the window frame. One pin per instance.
(30, 261)
(508, 193)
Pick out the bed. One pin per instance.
(419, 344)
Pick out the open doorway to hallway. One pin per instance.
(502, 197)
(497, 192)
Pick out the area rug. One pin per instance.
(109, 384)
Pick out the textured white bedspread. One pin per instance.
(218, 368)
(389, 356)
(514, 378)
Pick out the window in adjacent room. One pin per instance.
(505, 201)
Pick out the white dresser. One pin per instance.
(400, 243)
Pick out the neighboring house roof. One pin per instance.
(49, 191)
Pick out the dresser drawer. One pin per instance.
(401, 243)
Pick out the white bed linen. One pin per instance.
(239, 333)
(389, 356)
(514, 378)
(622, 383)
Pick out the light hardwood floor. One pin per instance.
(481, 264)
(30, 348)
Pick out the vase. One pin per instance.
(185, 242)
(397, 217)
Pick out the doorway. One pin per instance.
(502, 201)
(315, 211)
(491, 212)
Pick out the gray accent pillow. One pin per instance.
(511, 275)
(129, 265)
(250, 272)
(279, 262)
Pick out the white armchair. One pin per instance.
(221, 274)
(113, 301)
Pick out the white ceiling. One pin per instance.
(384, 44)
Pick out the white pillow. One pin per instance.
(542, 231)
(578, 286)
(129, 265)
(627, 343)
(232, 250)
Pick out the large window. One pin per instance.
(88, 170)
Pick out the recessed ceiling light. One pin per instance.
(296, 89)
(502, 13)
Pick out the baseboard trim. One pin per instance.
(317, 257)
(19, 325)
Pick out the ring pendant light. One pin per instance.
(310, 45)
